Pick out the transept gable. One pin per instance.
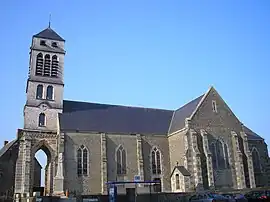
(213, 111)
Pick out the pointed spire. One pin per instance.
(50, 21)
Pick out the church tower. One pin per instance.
(44, 90)
(45, 82)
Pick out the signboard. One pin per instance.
(90, 200)
(137, 178)
(38, 199)
(112, 194)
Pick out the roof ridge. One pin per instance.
(118, 105)
(190, 102)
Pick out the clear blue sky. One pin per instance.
(151, 53)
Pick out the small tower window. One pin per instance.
(47, 65)
(49, 93)
(54, 44)
(214, 106)
(39, 93)
(39, 65)
(55, 65)
(41, 120)
(43, 43)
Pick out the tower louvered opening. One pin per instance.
(55, 64)
(47, 65)
(39, 65)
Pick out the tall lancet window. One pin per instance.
(39, 93)
(49, 94)
(220, 157)
(121, 159)
(82, 161)
(220, 154)
(214, 155)
(54, 70)
(47, 65)
(156, 161)
(39, 65)
(227, 163)
(41, 119)
(256, 161)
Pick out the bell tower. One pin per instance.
(45, 83)
(44, 90)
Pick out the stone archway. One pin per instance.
(49, 168)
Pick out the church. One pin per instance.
(199, 145)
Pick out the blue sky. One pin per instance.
(148, 53)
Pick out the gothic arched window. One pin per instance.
(177, 181)
(39, 93)
(214, 155)
(156, 161)
(227, 163)
(82, 161)
(41, 119)
(121, 161)
(47, 65)
(256, 160)
(49, 95)
(220, 157)
(39, 65)
(55, 65)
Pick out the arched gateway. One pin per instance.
(44, 102)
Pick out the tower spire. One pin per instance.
(50, 21)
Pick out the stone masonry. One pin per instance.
(212, 145)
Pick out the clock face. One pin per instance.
(43, 107)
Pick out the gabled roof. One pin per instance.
(182, 170)
(179, 116)
(49, 33)
(94, 117)
(7, 147)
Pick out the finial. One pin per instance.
(177, 163)
(50, 21)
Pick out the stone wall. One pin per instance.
(219, 124)
(7, 167)
(177, 148)
(90, 183)
(102, 160)
(262, 178)
(30, 142)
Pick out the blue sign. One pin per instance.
(112, 193)
(137, 178)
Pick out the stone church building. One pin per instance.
(199, 145)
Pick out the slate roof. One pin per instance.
(107, 118)
(179, 116)
(182, 170)
(49, 33)
(252, 135)
(6, 147)
(95, 117)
